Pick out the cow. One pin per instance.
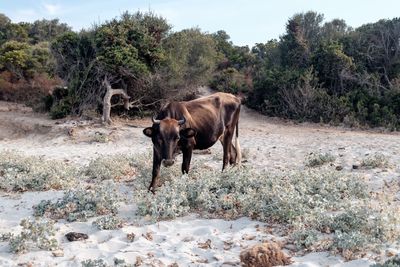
(194, 125)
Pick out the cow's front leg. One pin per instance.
(187, 156)
(156, 171)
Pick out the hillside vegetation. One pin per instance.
(320, 71)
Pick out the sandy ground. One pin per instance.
(267, 143)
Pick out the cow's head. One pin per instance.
(166, 135)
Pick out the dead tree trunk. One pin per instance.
(106, 119)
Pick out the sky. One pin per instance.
(246, 22)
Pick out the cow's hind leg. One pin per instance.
(227, 144)
(233, 155)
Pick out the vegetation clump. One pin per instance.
(113, 167)
(319, 159)
(325, 209)
(22, 173)
(376, 160)
(81, 204)
(109, 222)
(34, 235)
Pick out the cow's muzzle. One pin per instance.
(168, 162)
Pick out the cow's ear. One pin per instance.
(149, 131)
(188, 132)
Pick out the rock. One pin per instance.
(264, 255)
(130, 237)
(139, 261)
(355, 167)
(205, 245)
(74, 236)
(339, 168)
(58, 253)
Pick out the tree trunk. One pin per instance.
(107, 101)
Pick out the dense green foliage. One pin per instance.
(330, 72)
(317, 71)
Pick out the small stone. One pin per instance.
(390, 253)
(139, 261)
(339, 168)
(248, 237)
(58, 253)
(130, 237)
(74, 236)
(355, 167)
(205, 245)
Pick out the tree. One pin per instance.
(191, 58)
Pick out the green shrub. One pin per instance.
(34, 234)
(109, 222)
(80, 204)
(319, 159)
(376, 160)
(110, 167)
(313, 203)
(21, 173)
(61, 110)
(392, 262)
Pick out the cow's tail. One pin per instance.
(237, 146)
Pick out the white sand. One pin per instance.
(267, 143)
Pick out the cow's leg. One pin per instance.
(156, 171)
(227, 143)
(187, 156)
(233, 154)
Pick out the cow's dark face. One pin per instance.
(165, 135)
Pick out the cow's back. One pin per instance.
(210, 115)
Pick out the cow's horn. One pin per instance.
(155, 121)
(182, 121)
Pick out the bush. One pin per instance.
(81, 204)
(392, 262)
(319, 159)
(34, 234)
(108, 223)
(22, 173)
(377, 160)
(60, 110)
(110, 167)
(231, 81)
(313, 203)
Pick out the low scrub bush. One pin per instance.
(376, 160)
(109, 222)
(22, 173)
(110, 167)
(392, 262)
(34, 235)
(319, 159)
(80, 204)
(325, 210)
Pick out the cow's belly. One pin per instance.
(204, 145)
(206, 141)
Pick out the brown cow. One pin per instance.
(196, 124)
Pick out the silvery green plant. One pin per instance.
(34, 235)
(109, 222)
(319, 159)
(80, 204)
(376, 160)
(312, 202)
(110, 167)
(22, 173)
